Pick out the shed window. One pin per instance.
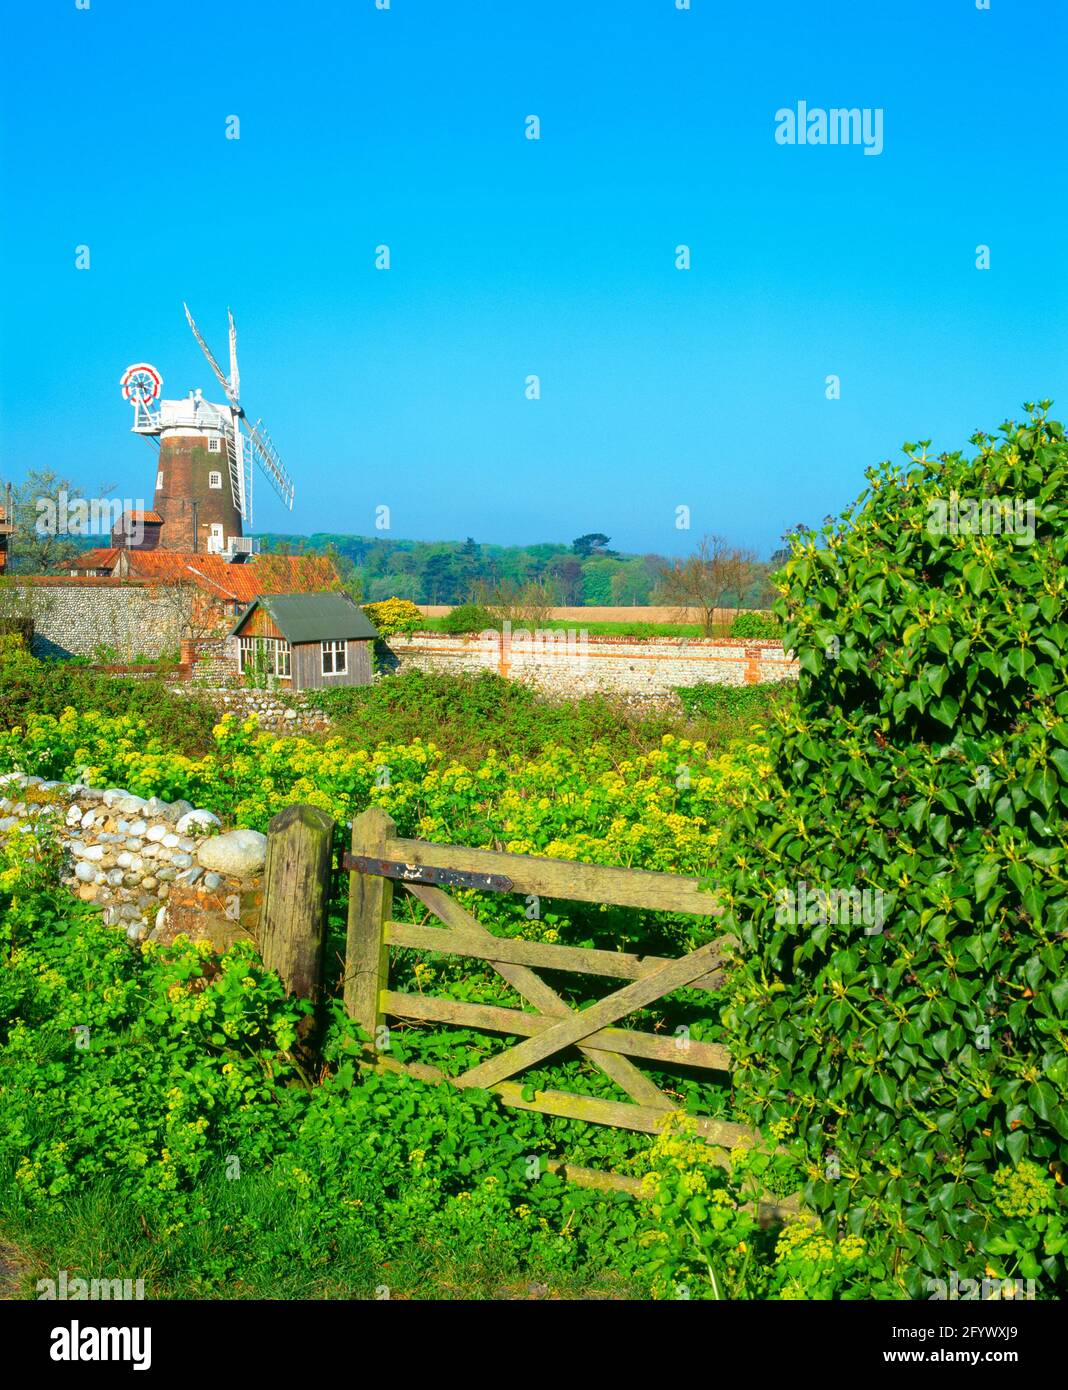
(334, 663)
(263, 656)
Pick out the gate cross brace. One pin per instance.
(674, 974)
(534, 989)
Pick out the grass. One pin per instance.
(259, 1244)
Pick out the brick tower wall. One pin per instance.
(183, 498)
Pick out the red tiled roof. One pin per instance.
(238, 582)
(143, 516)
(95, 559)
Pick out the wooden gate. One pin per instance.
(379, 859)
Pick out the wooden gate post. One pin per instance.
(296, 895)
(370, 901)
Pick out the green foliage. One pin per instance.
(704, 1240)
(925, 763)
(466, 716)
(159, 1086)
(737, 705)
(468, 617)
(49, 687)
(756, 625)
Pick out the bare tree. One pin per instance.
(528, 605)
(715, 572)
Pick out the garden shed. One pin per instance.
(305, 641)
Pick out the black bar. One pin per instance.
(423, 873)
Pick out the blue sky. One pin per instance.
(660, 387)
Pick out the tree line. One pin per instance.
(585, 573)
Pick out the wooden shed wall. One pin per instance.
(260, 624)
(307, 666)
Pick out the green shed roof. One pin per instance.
(327, 617)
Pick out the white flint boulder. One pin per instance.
(238, 852)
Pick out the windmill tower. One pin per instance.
(207, 454)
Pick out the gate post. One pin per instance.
(296, 896)
(370, 902)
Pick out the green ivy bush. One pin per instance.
(469, 617)
(926, 764)
(756, 625)
(748, 703)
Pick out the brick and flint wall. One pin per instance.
(567, 663)
(78, 617)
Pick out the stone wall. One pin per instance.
(155, 868)
(76, 617)
(567, 664)
(279, 712)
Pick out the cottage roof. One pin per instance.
(241, 583)
(312, 617)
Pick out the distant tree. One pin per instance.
(567, 572)
(439, 579)
(632, 583)
(715, 572)
(394, 586)
(594, 543)
(597, 581)
(527, 605)
(50, 525)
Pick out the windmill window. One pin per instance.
(214, 480)
(213, 446)
(334, 659)
(159, 480)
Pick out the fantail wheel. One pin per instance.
(141, 384)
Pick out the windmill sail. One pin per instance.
(231, 397)
(266, 456)
(258, 446)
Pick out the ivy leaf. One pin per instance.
(986, 875)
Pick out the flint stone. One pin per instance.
(238, 852)
(197, 820)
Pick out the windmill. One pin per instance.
(195, 508)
